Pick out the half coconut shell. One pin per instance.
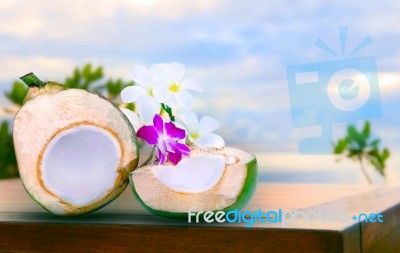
(223, 179)
(74, 149)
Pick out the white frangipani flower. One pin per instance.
(199, 132)
(144, 85)
(147, 107)
(174, 91)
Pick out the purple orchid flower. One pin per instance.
(165, 136)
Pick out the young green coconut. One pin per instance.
(190, 180)
(74, 148)
(208, 180)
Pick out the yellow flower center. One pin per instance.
(194, 135)
(150, 91)
(174, 88)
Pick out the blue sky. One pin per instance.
(239, 50)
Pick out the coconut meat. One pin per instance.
(80, 164)
(191, 175)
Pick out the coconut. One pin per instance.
(74, 148)
(208, 180)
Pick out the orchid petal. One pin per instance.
(133, 118)
(192, 84)
(162, 145)
(172, 131)
(207, 125)
(131, 93)
(182, 141)
(147, 107)
(158, 123)
(181, 126)
(171, 145)
(161, 157)
(209, 141)
(184, 149)
(141, 76)
(160, 72)
(184, 98)
(149, 134)
(177, 71)
(188, 119)
(175, 157)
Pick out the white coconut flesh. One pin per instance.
(80, 164)
(191, 175)
(208, 180)
(74, 150)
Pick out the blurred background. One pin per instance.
(239, 50)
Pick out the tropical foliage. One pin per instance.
(88, 78)
(362, 147)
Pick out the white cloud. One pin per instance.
(174, 9)
(51, 19)
(66, 19)
(389, 83)
(144, 2)
(13, 67)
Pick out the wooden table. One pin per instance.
(123, 226)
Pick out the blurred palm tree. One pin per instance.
(88, 78)
(361, 147)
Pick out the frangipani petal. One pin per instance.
(177, 71)
(184, 99)
(160, 72)
(133, 118)
(141, 76)
(209, 141)
(207, 125)
(192, 84)
(171, 102)
(131, 93)
(147, 107)
(161, 93)
(189, 119)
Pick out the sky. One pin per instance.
(239, 50)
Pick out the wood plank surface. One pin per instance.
(123, 226)
(13, 197)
